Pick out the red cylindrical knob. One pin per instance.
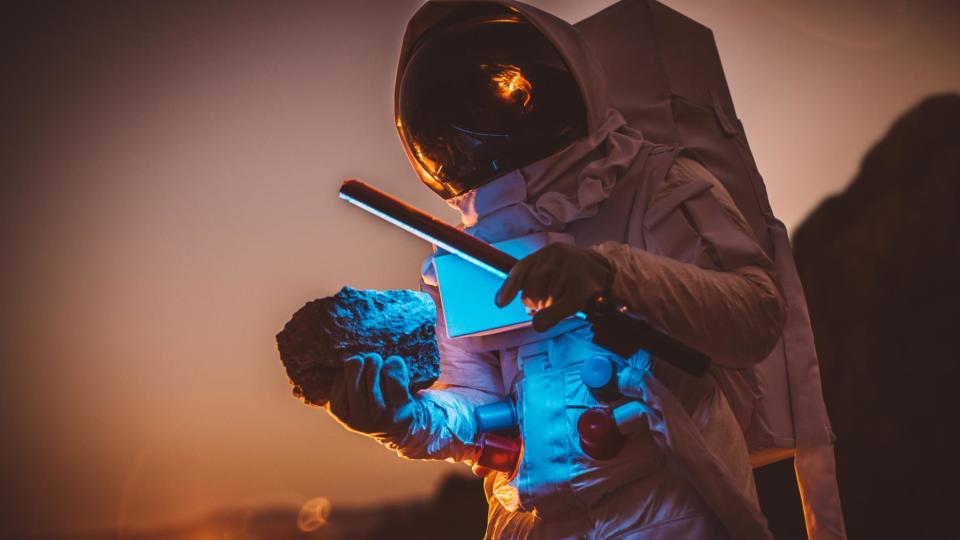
(498, 453)
(599, 436)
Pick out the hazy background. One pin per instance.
(167, 200)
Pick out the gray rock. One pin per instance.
(325, 332)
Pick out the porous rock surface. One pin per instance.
(326, 331)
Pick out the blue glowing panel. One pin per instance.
(467, 292)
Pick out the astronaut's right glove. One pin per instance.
(557, 281)
(372, 396)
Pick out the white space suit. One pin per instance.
(681, 255)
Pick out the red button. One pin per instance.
(498, 453)
(599, 436)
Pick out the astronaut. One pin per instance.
(503, 112)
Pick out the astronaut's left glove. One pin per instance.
(556, 282)
(371, 396)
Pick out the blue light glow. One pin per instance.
(424, 236)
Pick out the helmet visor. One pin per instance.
(483, 97)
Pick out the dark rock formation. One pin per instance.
(324, 332)
(458, 509)
(880, 264)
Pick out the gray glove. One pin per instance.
(556, 282)
(372, 396)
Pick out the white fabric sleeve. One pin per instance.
(703, 278)
(444, 426)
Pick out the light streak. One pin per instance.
(440, 244)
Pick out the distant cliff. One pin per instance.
(880, 264)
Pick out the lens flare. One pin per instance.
(313, 514)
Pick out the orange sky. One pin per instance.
(168, 200)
